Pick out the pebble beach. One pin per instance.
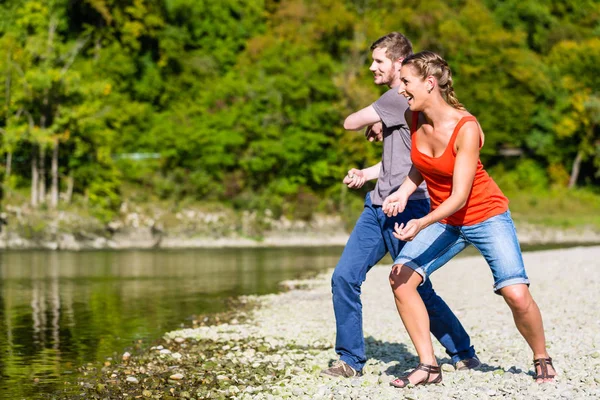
(289, 337)
(274, 346)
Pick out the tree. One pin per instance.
(576, 112)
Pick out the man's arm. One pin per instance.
(395, 203)
(362, 118)
(356, 178)
(408, 117)
(372, 172)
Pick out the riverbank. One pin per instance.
(554, 217)
(26, 229)
(276, 349)
(23, 228)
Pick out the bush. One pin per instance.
(104, 199)
(527, 175)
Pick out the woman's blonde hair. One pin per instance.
(428, 63)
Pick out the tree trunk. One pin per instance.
(7, 105)
(575, 170)
(7, 83)
(43, 117)
(54, 190)
(8, 165)
(97, 49)
(70, 184)
(34, 180)
(42, 176)
(42, 190)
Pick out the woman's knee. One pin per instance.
(403, 278)
(517, 297)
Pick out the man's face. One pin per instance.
(384, 70)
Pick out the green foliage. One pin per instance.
(528, 176)
(103, 192)
(243, 101)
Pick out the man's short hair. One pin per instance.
(397, 45)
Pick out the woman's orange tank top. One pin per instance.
(485, 199)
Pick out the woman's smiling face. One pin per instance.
(413, 87)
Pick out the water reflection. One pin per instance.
(60, 310)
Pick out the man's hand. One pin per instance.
(374, 132)
(355, 178)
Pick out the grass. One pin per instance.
(578, 208)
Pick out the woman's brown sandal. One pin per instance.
(403, 381)
(543, 364)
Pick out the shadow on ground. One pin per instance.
(405, 360)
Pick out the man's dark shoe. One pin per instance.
(467, 364)
(340, 369)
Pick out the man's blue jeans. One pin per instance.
(369, 242)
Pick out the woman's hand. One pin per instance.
(394, 204)
(355, 178)
(409, 231)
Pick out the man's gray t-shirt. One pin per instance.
(395, 161)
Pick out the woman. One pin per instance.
(467, 207)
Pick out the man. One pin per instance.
(372, 237)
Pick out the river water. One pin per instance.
(61, 310)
